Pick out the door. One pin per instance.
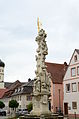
(65, 108)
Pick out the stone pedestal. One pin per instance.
(40, 106)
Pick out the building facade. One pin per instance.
(71, 86)
(23, 94)
(57, 72)
(6, 97)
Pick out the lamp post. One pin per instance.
(59, 101)
(75, 114)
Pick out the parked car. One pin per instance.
(2, 112)
(24, 111)
(20, 112)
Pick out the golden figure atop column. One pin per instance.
(39, 24)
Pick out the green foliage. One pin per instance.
(30, 107)
(13, 104)
(2, 105)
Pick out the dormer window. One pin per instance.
(22, 89)
(75, 58)
(19, 89)
(16, 90)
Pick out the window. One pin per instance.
(29, 98)
(20, 97)
(74, 105)
(74, 87)
(19, 89)
(78, 70)
(22, 89)
(75, 58)
(16, 90)
(73, 71)
(78, 86)
(68, 87)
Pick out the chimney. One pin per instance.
(65, 66)
(29, 80)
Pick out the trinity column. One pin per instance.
(41, 90)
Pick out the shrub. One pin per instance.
(13, 104)
(2, 105)
(30, 107)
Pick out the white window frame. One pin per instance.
(74, 87)
(73, 71)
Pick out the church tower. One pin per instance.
(2, 65)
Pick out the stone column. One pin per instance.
(41, 89)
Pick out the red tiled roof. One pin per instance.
(57, 71)
(12, 88)
(2, 91)
(15, 84)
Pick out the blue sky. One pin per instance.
(18, 29)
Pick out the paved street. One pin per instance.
(3, 117)
(6, 117)
(65, 118)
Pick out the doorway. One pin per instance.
(65, 108)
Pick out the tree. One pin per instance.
(13, 104)
(2, 105)
(30, 107)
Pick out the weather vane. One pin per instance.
(39, 24)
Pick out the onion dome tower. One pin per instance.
(2, 65)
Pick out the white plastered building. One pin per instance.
(71, 86)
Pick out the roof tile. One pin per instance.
(57, 71)
(2, 91)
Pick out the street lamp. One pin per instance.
(59, 101)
